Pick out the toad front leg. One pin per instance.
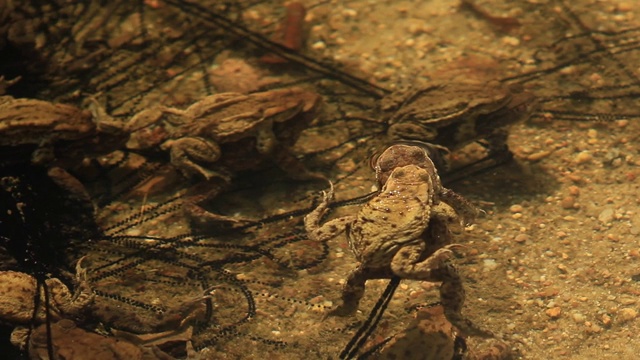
(187, 153)
(330, 229)
(354, 287)
(437, 267)
(70, 304)
(267, 144)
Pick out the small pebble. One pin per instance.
(606, 215)
(627, 300)
(520, 238)
(134, 232)
(592, 328)
(575, 178)
(554, 312)
(539, 155)
(574, 190)
(625, 6)
(510, 40)
(516, 208)
(583, 157)
(568, 202)
(627, 314)
(348, 165)
(316, 300)
(622, 123)
(319, 45)
(489, 264)
(349, 13)
(595, 77)
(578, 317)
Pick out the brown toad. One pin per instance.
(234, 131)
(18, 293)
(41, 123)
(261, 121)
(455, 114)
(431, 337)
(403, 231)
(72, 342)
(55, 136)
(42, 126)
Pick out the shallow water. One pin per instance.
(552, 265)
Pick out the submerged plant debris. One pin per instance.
(183, 266)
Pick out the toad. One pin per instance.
(17, 300)
(403, 231)
(222, 134)
(193, 137)
(452, 115)
(55, 136)
(431, 337)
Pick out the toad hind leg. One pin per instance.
(452, 295)
(353, 289)
(187, 153)
(351, 293)
(267, 144)
(438, 268)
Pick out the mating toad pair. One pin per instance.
(405, 231)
